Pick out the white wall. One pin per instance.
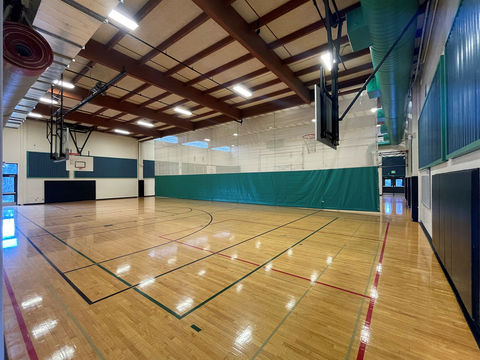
(274, 142)
(444, 18)
(31, 136)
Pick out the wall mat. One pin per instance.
(39, 165)
(341, 189)
(106, 167)
(148, 169)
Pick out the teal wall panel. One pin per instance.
(462, 54)
(148, 169)
(39, 165)
(346, 189)
(430, 124)
(106, 167)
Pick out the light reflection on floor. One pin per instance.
(9, 238)
(394, 204)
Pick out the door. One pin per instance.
(9, 183)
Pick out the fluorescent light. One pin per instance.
(242, 91)
(120, 131)
(313, 120)
(35, 115)
(235, 134)
(144, 123)
(374, 110)
(182, 111)
(48, 101)
(206, 140)
(327, 60)
(123, 19)
(64, 84)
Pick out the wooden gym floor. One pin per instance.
(178, 279)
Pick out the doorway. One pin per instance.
(9, 184)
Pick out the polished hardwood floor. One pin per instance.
(161, 278)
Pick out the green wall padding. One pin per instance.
(148, 169)
(39, 165)
(341, 189)
(106, 167)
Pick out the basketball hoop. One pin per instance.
(76, 161)
(310, 143)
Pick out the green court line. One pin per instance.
(255, 270)
(75, 321)
(259, 350)
(196, 328)
(372, 266)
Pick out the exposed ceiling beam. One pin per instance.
(239, 29)
(139, 15)
(318, 25)
(276, 13)
(81, 117)
(192, 25)
(134, 92)
(266, 107)
(313, 51)
(113, 59)
(221, 69)
(204, 53)
(127, 107)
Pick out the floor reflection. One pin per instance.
(9, 238)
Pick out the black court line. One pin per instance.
(166, 308)
(213, 253)
(70, 282)
(141, 250)
(116, 224)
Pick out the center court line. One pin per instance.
(366, 327)
(32, 354)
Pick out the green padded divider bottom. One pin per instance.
(339, 189)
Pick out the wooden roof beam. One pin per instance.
(81, 117)
(192, 25)
(128, 107)
(113, 59)
(240, 30)
(140, 14)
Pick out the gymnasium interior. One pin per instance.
(240, 179)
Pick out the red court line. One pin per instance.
(276, 270)
(365, 333)
(21, 322)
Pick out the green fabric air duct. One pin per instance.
(386, 19)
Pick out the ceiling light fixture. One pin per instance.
(48, 101)
(35, 115)
(64, 84)
(235, 134)
(313, 120)
(327, 60)
(123, 132)
(242, 91)
(123, 19)
(144, 123)
(182, 111)
(207, 140)
(374, 110)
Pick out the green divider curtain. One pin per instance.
(341, 189)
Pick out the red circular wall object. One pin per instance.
(25, 50)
